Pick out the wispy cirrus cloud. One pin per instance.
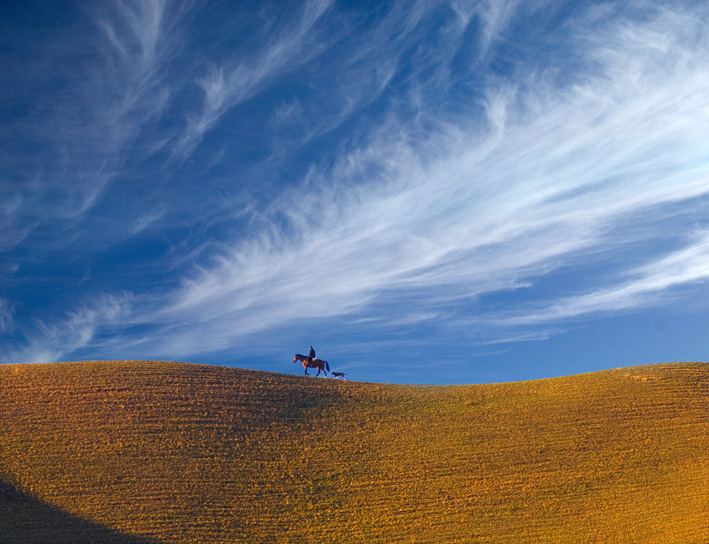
(225, 87)
(646, 285)
(53, 339)
(457, 212)
(5, 317)
(96, 85)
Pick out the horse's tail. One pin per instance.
(327, 366)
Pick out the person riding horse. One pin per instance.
(321, 365)
(311, 355)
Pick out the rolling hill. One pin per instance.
(144, 451)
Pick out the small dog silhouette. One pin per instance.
(340, 375)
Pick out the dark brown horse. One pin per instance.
(312, 363)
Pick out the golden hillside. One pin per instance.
(140, 451)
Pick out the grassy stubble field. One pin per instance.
(140, 451)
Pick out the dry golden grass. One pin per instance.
(174, 452)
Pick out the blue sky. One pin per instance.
(427, 192)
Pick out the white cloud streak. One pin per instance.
(226, 88)
(5, 317)
(98, 86)
(55, 339)
(650, 284)
(462, 212)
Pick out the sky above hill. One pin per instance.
(425, 191)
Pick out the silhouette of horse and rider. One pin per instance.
(311, 361)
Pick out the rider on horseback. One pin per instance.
(311, 361)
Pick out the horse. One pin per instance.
(312, 363)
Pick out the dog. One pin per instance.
(340, 375)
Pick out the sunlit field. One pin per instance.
(143, 451)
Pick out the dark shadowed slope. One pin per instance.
(193, 453)
(25, 520)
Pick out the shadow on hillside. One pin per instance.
(26, 520)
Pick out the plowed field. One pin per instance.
(144, 451)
